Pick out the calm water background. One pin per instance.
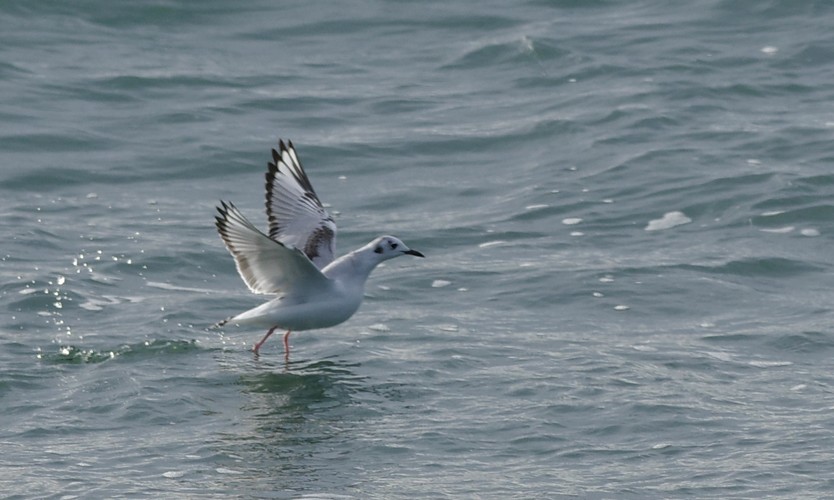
(627, 209)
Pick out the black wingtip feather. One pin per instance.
(300, 175)
(223, 210)
(221, 221)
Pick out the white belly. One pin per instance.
(299, 316)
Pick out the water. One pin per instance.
(625, 207)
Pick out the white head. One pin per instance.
(388, 247)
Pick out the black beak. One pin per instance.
(414, 253)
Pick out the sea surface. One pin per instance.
(627, 209)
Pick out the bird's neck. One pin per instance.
(352, 269)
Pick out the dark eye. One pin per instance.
(393, 246)
(378, 250)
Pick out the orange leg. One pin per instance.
(259, 344)
(287, 344)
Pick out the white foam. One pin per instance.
(669, 220)
(770, 364)
(177, 288)
(778, 230)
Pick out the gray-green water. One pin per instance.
(626, 209)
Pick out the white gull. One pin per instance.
(296, 260)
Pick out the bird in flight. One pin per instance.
(295, 261)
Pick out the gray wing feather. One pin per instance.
(267, 266)
(295, 213)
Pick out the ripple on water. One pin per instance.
(70, 354)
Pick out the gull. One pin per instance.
(295, 261)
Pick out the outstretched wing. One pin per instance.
(296, 215)
(267, 266)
